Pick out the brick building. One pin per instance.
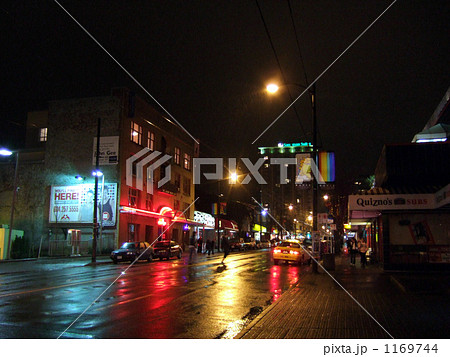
(56, 195)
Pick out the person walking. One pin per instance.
(353, 248)
(208, 246)
(362, 247)
(225, 247)
(200, 246)
(192, 246)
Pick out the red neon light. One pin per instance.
(162, 222)
(165, 210)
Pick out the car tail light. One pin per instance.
(294, 252)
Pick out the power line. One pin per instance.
(279, 64)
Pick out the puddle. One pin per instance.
(235, 327)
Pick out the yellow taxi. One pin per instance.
(289, 251)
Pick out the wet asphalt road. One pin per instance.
(161, 299)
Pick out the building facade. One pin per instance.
(55, 203)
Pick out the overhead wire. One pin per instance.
(279, 64)
(291, 14)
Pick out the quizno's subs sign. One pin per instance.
(390, 202)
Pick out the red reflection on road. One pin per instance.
(280, 279)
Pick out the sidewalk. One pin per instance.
(50, 263)
(317, 307)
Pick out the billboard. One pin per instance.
(327, 166)
(75, 204)
(303, 171)
(109, 150)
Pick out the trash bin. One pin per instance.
(328, 261)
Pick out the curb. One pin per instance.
(396, 282)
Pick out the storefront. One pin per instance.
(205, 228)
(406, 231)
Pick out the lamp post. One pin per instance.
(273, 88)
(5, 152)
(96, 174)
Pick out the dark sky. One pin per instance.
(207, 63)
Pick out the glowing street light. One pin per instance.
(233, 177)
(272, 88)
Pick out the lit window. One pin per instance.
(132, 197)
(151, 141)
(43, 134)
(136, 133)
(177, 155)
(187, 161)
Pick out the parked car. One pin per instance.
(265, 244)
(236, 244)
(289, 251)
(167, 249)
(249, 244)
(129, 251)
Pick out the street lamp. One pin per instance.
(97, 173)
(5, 152)
(272, 88)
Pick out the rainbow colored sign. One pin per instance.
(326, 166)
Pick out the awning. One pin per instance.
(437, 133)
(226, 224)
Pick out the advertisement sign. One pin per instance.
(303, 170)
(109, 150)
(327, 166)
(204, 218)
(75, 204)
(322, 218)
(390, 202)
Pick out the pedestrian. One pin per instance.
(192, 246)
(362, 247)
(200, 244)
(225, 247)
(352, 247)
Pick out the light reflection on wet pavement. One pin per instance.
(162, 299)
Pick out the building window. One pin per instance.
(133, 232)
(177, 156)
(187, 161)
(133, 196)
(136, 133)
(187, 210)
(177, 181)
(151, 141)
(42, 134)
(149, 202)
(186, 186)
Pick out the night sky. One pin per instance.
(207, 63)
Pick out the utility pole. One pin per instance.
(314, 183)
(95, 223)
(13, 203)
